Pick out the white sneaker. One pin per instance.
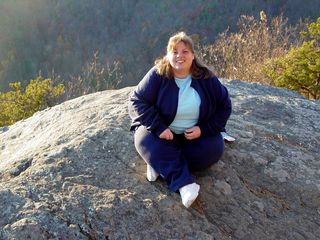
(189, 193)
(152, 175)
(227, 137)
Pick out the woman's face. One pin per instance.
(180, 59)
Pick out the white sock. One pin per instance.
(152, 175)
(189, 193)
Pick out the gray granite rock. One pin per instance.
(71, 172)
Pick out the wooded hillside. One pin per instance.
(63, 35)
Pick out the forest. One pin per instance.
(90, 46)
(59, 38)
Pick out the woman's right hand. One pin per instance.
(166, 134)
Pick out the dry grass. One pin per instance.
(242, 55)
(93, 77)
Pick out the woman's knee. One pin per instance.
(205, 153)
(149, 146)
(142, 140)
(215, 148)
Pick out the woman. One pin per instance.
(178, 111)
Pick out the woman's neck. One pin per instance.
(181, 75)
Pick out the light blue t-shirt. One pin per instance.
(188, 106)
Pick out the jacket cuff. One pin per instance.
(160, 129)
(206, 131)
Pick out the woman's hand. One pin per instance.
(166, 134)
(192, 133)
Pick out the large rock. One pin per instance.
(71, 172)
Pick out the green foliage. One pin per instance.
(299, 70)
(313, 31)
(19, 104)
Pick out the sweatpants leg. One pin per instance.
(165, 157)
(203, 152)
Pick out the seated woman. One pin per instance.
(178, 111)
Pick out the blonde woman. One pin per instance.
(178, 111)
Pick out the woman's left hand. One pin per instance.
(192, 133)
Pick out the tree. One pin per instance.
(299, 70)
(19, 104)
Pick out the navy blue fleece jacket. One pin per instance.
(154, 103)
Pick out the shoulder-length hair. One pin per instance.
(198, 69)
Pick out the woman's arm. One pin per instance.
(217, 121)
(142, 102)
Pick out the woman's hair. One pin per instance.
(198, 69)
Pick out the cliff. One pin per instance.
(71, 172)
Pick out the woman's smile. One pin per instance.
(180, 59)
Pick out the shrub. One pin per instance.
(94, 77)
(241, 55)
(299, 70)
(19, 104)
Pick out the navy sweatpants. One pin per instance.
(174, 159)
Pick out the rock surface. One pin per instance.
(71, 172)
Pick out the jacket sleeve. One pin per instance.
(142, 104)
(219, 117)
